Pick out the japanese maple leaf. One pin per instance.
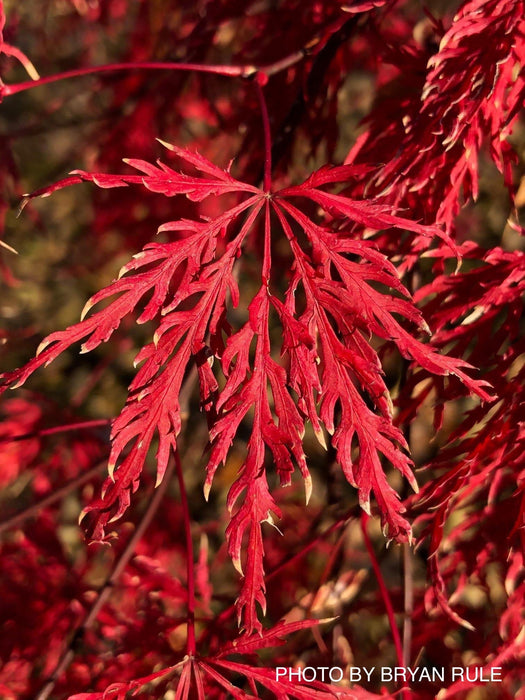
(480, 470)
(460, 97)
(340, 292)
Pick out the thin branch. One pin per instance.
(190, 562)
(106, 590)
(69, 427)
(289, 561)
(242, 71)
(412, 282)
(386, 599)
(332, 559)
(52, 498)
(408, 577)
(85, 390)
(228, 71)
(246, 71)
(267, 182)
(334, 556)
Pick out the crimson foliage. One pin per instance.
(339, 320)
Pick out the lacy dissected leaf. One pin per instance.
(272, 637)
(461, 96)
(339, 293)
(478, 477)
(466, 307)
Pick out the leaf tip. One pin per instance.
(326, 620)
(321, 439)
(365, 505)
(167, 145)
(8, 247)
(43, 345)
(271, 522)
(308, 488)
(467, 625)
(87, 308)
(237, 564)
(17, 384)
(23, 204)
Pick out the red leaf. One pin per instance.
(333, 376)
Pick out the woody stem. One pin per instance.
(191, 644)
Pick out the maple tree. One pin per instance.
(308, 297)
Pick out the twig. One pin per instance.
(334, 556)
(231, 71)
(190, 563)
(408, 554)
(408, 577)
(84, 425)
(267, 136)
(386, 599)
(52, 498)
(321, 62)
(243, 71)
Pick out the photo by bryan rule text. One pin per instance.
(386, 674)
